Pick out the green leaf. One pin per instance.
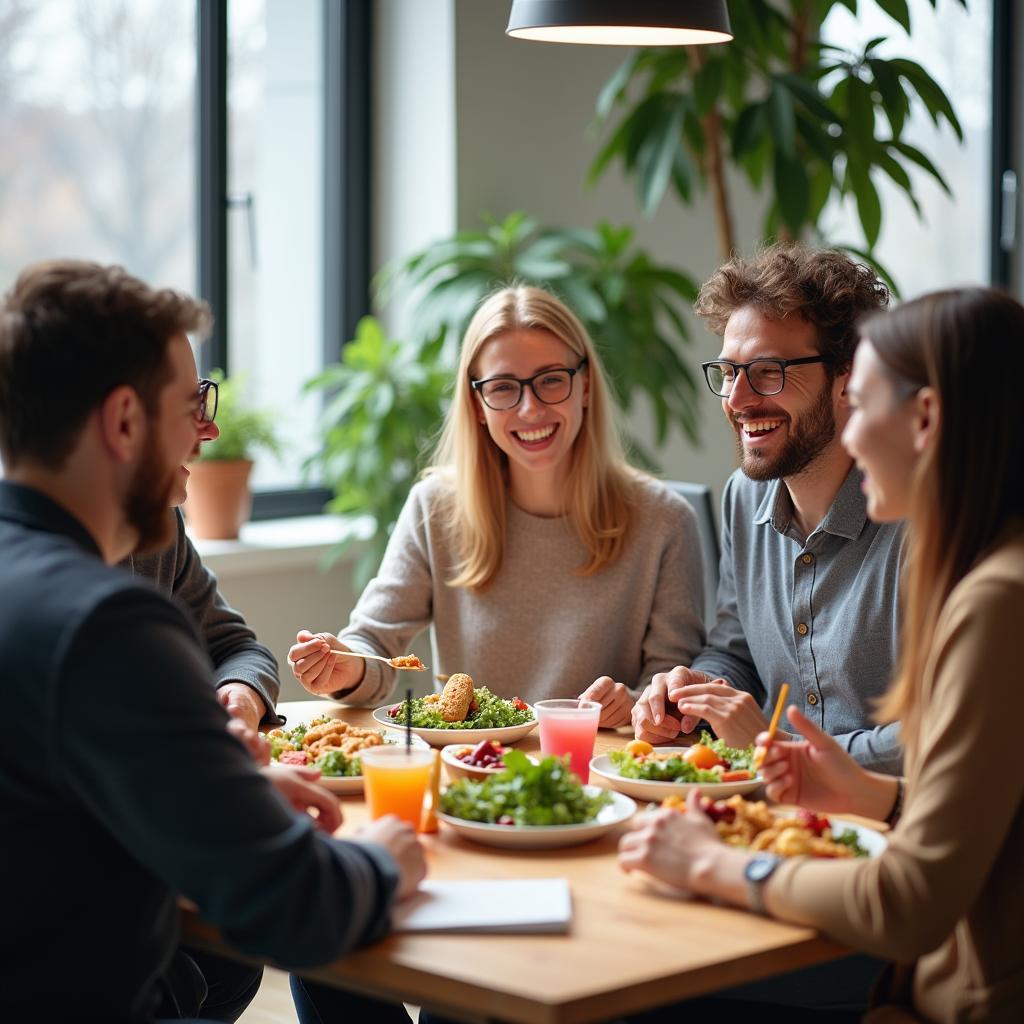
(898, 10)
(748, 130)
(655, 165)
(708, 84)
(916, 156)
(869, 207)
(890, 88)
(791, 190)
(614, 88)
(782, 119)
(936, 101)
(860, 117)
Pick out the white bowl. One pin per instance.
(458, 769)
(545, 837)
(644, 789)
(443, 737)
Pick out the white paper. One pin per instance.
(507, 905)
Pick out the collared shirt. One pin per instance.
(820, 613)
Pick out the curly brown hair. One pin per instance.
(71, 332)
(823, 286)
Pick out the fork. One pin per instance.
(379, 657)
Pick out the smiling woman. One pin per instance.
(521, 548)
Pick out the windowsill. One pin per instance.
(274, 545)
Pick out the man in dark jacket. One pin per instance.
(131, 790)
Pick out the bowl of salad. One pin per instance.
(532, 804)
(489, 718)
(653, 773)
(332, 746)
(474, 761)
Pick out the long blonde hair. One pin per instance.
(597, 496)
(967, 345)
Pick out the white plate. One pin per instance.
(643, 789)
(442, 737)
(348, 784)
(545, 837)
(872, 841)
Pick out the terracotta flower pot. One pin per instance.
(218, 498)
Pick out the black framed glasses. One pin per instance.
(206, 410)
(765, 376)
(549, 386)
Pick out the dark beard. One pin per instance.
(148, 497)
(809, 436)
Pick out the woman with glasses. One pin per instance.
(934, 430)
(542, 562)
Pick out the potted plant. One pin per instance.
(219, 500)
(385, 403)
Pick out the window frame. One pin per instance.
(346, 191)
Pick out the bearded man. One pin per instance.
(809, 585)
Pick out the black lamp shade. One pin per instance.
(621, 22)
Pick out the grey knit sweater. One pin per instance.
(539, 629)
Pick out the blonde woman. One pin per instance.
(935, 430)
(542, 562)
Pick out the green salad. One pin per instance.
(492, 713)
(683, 767)
(849, 838)
(525, 793)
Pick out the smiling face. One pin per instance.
(880, 437)
(537, 438)
(159, 478)
(779, 436)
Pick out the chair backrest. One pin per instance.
(699, 496)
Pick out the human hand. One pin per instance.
(254, 742)
(814, 772)
(734, 714)
(242, 702)
(317, 669)
(675, 848)
(298, 786)
(615, 700)
(399, 839)
(651, 720)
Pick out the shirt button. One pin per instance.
(802, 629)
(807, 559)
(812, 698)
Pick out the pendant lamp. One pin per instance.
(621, 22)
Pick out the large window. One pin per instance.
(949, 245)
(218, 146)
(97, 122)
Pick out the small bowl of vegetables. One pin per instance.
(474, 761)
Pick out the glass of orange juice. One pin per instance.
(396, 778)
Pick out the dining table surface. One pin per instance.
(631, 946)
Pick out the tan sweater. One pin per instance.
(539, 629)
(947, 896)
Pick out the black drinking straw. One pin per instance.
(408, 720)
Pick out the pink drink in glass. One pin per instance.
(569, 727)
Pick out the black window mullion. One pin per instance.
(212, 174)
(1004, 44)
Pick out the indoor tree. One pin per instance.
(803, 119)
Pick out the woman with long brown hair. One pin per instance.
(543, 563)
(935, 393)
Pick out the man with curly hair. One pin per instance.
(808, 592)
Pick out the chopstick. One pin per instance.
(780, 703)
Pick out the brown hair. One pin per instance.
(823, 286)
(966, 344)
(71, 332)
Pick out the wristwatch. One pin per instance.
(758, 870)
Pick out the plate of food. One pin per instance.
(462, 711)
(475, 761)
(332, 746)
(532, 805)
(788, 832)
(653, 773)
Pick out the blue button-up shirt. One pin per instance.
(820, 613)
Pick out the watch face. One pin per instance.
(759, 868)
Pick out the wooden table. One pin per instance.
(629, 949)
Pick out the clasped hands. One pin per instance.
(733, 714)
